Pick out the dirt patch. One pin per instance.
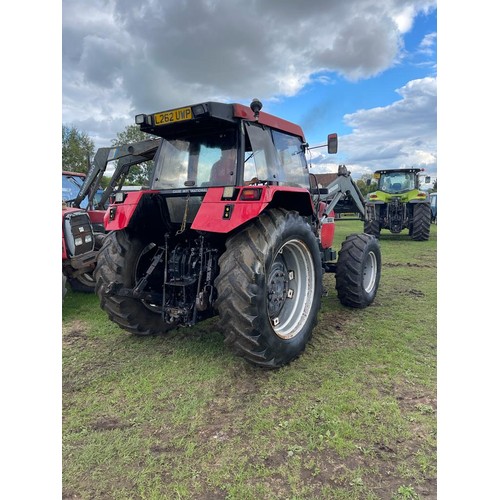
(408, 264)
(108, 424)
(74, 332)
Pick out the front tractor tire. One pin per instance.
(122, 261)
(358, 270)
(83, 283)
(269, 289)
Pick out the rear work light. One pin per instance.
(251, 194)
(119, 197)
(199, 109)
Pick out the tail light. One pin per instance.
(251, 194)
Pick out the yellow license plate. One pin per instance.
(172, 116)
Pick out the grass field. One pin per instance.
(177, 416)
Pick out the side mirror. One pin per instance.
(428, 179)
(368, 182)
(332, 143)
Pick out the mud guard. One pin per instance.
(118, 215)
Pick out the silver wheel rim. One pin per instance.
(290, 289)
(86, 279)
(370, 273)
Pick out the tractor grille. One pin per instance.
(78, 234)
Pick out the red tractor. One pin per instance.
(78, 250)
(83, 228)
(230, 225)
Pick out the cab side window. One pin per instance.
(292, 159)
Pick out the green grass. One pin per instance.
(177, 416)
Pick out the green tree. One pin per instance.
(77, 148)
(364, 186)
(138, 174)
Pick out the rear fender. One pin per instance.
(379, 197)
(413, 196)
(421, 198)
(119, 215)
(220, 215)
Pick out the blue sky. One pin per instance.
(320, 106)
(365, 69)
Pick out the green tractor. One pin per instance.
(398, 204)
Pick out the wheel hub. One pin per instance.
(277, 288)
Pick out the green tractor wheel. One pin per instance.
(420, 227)
(371, 222)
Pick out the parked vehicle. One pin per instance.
(78, 250)
(72, 183)
(79, 255)
(434, 213)
(82, 234)
(398, 204)
(230, 225)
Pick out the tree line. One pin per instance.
(78, 150)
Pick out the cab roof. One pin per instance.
(177, 120)
(390, 170)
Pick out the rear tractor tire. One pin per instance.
(358, 270)
(123, 260)
(421, 224)
(372, 227)
(371, 222)
(269, 289)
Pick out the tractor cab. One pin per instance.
(215, 144)
(219, 165)
(397, 181)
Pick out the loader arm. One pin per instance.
(131, 154)
(343, 195)
(122, 170)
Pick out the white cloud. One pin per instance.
(404, 18)
(428, 44)
(400, 135)
(137, 55)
